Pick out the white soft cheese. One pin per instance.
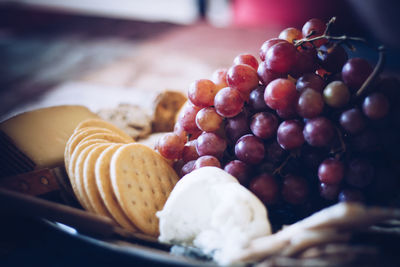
(209, 209)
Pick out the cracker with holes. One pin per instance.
(142, 181)
(94, 138)
(71, 167)
(103, 182)
(88, 179)
(76, 138)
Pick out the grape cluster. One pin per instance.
(292, 128)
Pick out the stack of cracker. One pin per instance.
(113, 176)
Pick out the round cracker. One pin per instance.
(103, 182)
(103, 124)
(76, 183)
(77, 137)
(89, 181)
(78, 173)
(141, 180)
(71, 167)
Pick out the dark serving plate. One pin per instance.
(155, 253)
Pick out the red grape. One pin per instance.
(295, 189)
(376, 106)
(280, 94)
(247, 59)
(266, 76)
(204, 161)
(250, 149)
(336, 94)
(319, 132)
(290, 34)
(290, 134)
(281, 57)
(208, 120)
(264, 124)
(352, 121)
(242, 77)
(178, 129)
(210, 144)
(317, 27)
(267, 45)
(266, 188)
(187, 118)
(228, 102)
(355, 72)
(170, 146)
(306, 62)
(219, 78)
(189, 151)
(310, 104)
(202, 92)
(331, 171)
(239, 170)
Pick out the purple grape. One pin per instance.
(236, 127)
(352, 121)
(310, 103)
(332, 57)
(367, 141)
(319, 132)
(290, 134)
(295, 189)
(359, 173)
(265, 187)
(331, 171)
(239, 170)
(310, 80)
(376, 106)
(329, 191)
(274, 152)
(351, 195)
(355, 72)
(256, 100)
(264, 124)
(187, 168)
(210, 144)
(250, 149)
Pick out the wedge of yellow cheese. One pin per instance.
(41, 134)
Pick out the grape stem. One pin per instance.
(381, 50)
(278, 170)
(342, 147)
(378, 68)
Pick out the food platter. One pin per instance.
(238, 155)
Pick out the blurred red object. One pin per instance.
(262, 13)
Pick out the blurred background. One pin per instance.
(158, 44)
